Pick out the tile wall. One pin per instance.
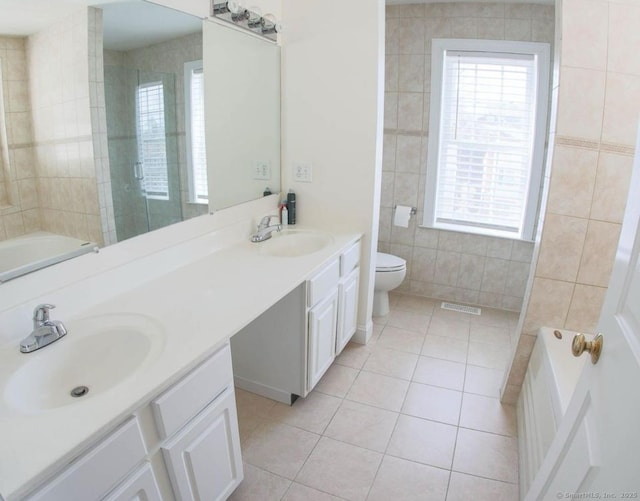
(19, 201)
(595, 132)
(442, 264)
(60, 70)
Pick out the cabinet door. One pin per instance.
(141, 486)
(347, 309)
(323, 319)
(204, 459)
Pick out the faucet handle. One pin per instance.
(41, 312)
(266, 221)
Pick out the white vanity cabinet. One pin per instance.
(333, 316)
(94, 474)
(284, 352)
(323, 318)
(183, 445)
(348, 296)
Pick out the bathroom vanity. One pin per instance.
(270, 360)
(160, 416)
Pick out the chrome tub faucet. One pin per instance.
(45, 330)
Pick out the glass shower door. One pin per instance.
(143, 150)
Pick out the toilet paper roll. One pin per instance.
(402, 215)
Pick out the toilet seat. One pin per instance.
(388, 262)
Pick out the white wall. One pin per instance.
(332, 85)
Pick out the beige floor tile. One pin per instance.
(299, 492)
(341, 469)
(354, 355)
(378, 390)
(423, 441)
(451, 316)
(312, 413)
(491, 335)
(337, 380)
(431, 402)
(486, 455)
(393, 363)
(492, 317)
(483, 381)
(380, 320)
(451, 328)
(377, 330)
(491, 356)
(465, 487)
(252, 404)
(488, 414)
(247, 424)
(403, 480)
(414, 304)
(260, 484)
(362, 425)
(446, 348)
(279, 448)
(409, 321)
(437, 372)
(401, 340)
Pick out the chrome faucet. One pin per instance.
(45, 331)
(265, 229)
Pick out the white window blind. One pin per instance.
(196, 154)
(152, 146)
(485, 143)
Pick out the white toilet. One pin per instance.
(390, 272)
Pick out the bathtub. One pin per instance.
(22, 255)
(547, 389)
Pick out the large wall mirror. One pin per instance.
(116, 122)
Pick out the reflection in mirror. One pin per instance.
(154, 98)
(95, 140)
(242, 82)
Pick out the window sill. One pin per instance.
(470, 230)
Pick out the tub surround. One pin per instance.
(202, 290)
(548, 386)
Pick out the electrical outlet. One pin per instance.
(262, 170)
(303, 172)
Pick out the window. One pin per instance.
(152, 145)
(486, 136)
(196, 150)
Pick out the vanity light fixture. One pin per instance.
(250, 19)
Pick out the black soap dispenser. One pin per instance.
(291, 206)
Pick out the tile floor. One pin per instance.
(414, 414)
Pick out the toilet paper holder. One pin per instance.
(414, 210)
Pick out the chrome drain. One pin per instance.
(79, 391)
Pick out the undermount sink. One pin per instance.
(97, 354)
(293, 243)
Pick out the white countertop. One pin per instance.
(200, 305)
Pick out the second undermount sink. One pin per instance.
(294, 243)
(98, 353)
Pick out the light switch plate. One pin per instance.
(262, 170)
(302, 172)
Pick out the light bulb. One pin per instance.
(235, 7)
(254, 17)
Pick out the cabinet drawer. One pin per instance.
(185, 399)
(141, 485)
(350, 259)
(323, 282)
(95, 473)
